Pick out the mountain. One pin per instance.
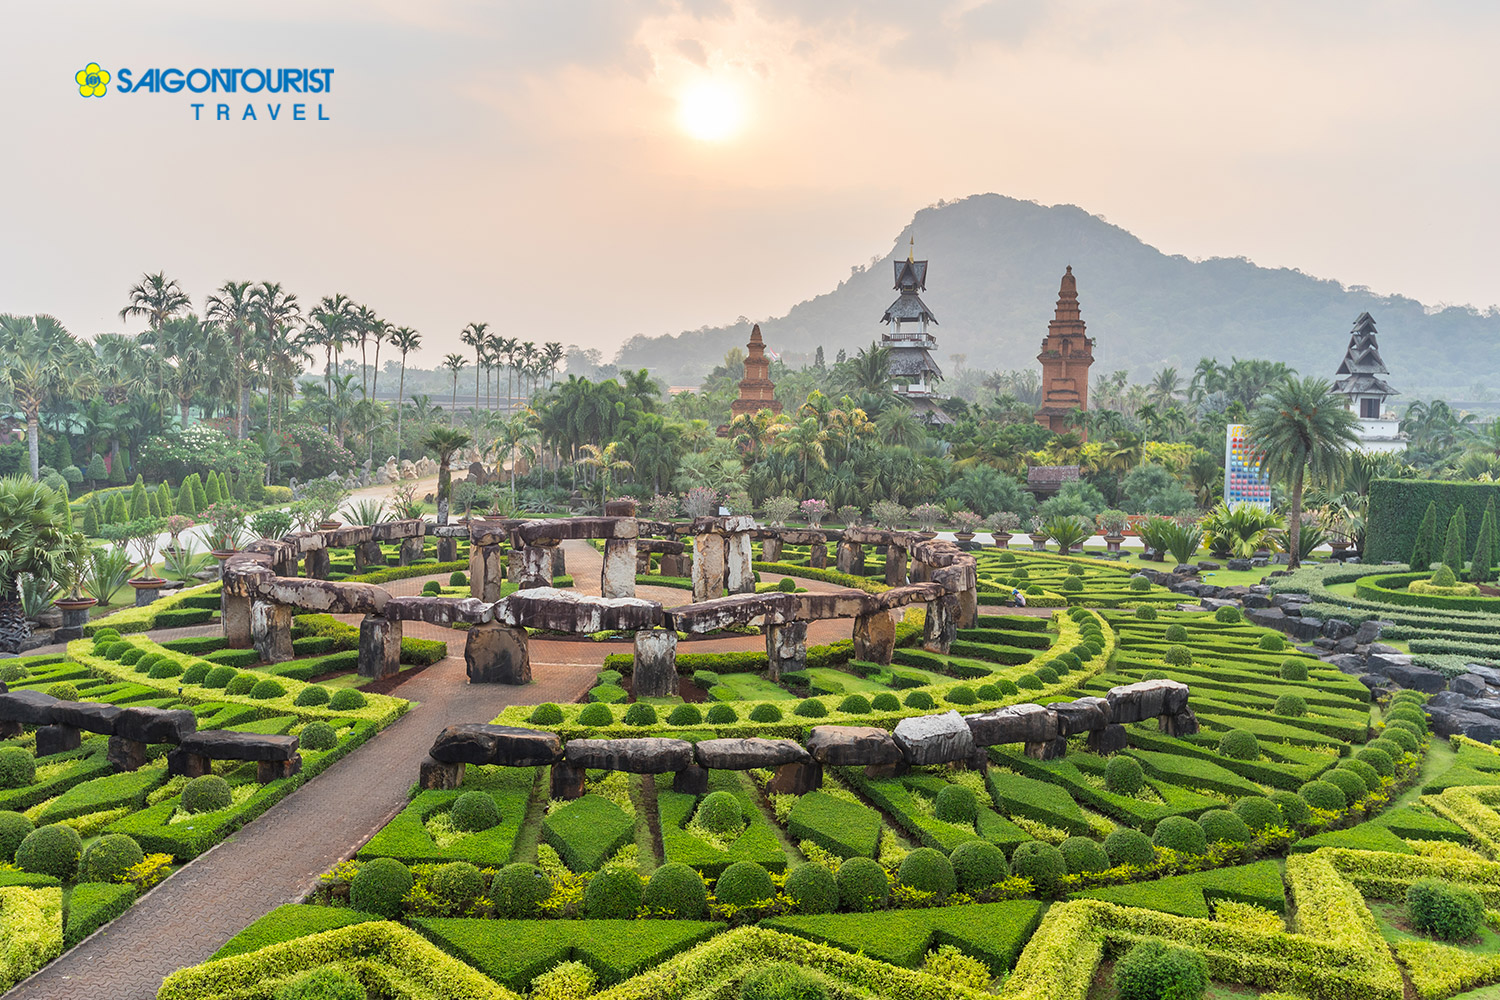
(995, 263)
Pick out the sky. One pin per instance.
(587, 170)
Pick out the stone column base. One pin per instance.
(1110, 739)
(447, 549)
(786, 648)
(379, 646)
(267, 771)
(315, 564)
(1047, 749)
(497, 654)
(655, 668)
(189, 765)
(126, 755)
(57, 739)
(941, 626)
(691, 780)
(435, 775)
(874, 638)
(486, 572)
(617, 579)
(271, 631)
(796, 779)
(411, 550)
(567, 781)
(235, 617)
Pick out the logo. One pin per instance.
(92, 81)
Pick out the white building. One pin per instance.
(1379, 429)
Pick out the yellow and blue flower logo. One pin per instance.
(92, 81)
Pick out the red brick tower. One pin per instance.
(757, 391)
(1066, 356)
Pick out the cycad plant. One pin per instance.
(34, 532)
(107, 572)
(1067, 531)
(184, 562)
(1239, 531)
(1183, 540)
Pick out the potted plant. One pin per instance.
(74, 606)
(701, 501)
(779, 510)
(848, 515)
(1112, 523)
(663, 507)
(226, 519)
(888, 514)
(271, 523)
(145, 532)
(1038, 533)
(176, 525)
(813, 511)
(1001, 524)
(326, 497)
(964, 523)
(928, 516)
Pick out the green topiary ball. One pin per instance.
(718, 715)
(1323, 795)
(595, 715)
(1176, 633)
(720, 812)
(685, 715)
(640, 713)
(765, 712)
(1228, 615)
(1292, 705)
(518, 889)
(1239, 744)
(927, 870)
(1083, 855)
(164, 668)
(1178, 656)
(1139, 584)
(744, 883)
(1257, 812)
(810, 708)
(1378, 759)
(110, 856)
(1293, 669)
(1293, 808)
(977, 865)
(1146, 613)
(458, 883)
(1402, 737)
(813, 889)
(132, 655)
(546, 714)
(474, 811)
(218, 677)
(1405, 713)
(17, 767)
(311, 695)
(1072, 584)
(458, 579)
(329, 982)
(782, 981)
(13, 829)
(1221, 824)
(961, 695)
(208, 793)
(1040, 862)
(318, 736)
(1180, 834)
(679, 890)
(1153, 970)
(613, 894)
(379, 887)
(346, 700)
(863, 885)
(195, 673)
(1007, 686)
(1349, 782)
(431, 588)
(1046, 675)
(1123, 775)
(885, 701)
(1447, 912)
(50, 850)
(1272, 642)
(1129, 847)
(240, 684)
(1031, 682)
(956, 804)
(988, 692)
(854, 704)
(144, 664)
(920, 700)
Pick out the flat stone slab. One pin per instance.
(482, 743)
(440, 610)
(1080, 716)
(566, 611)
(333, 597)
(1025, 723)
(390, 531)
(934, 739)
(221, 744)
(561, 528)
(853, 746)
(852, 604)
(913, 593)
(155, 725)
(800, 536)
(30, 708)
(737, 609)
(751, 752)
(1146, 700)
(646, 755)
(349, 535)
(92, 716)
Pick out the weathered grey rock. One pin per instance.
(567, 611)
(645, 755)
(839, 604)
(234, 616)
(1183, 723)
(1239, 565)
(1368, 631)
(57, 739)
(1490, 675)
(747, 753)
(911, 593)
(271, 631)
(1266, 617)
(654, 673)
(1024, 723)
(934, 739)
(796, 779)
(486, 572)
(508, 746)
(437, 775)
(1345, 645)
(267, 771)
(91, 716)
(1304, 628)
(1349, 663)
(1474, 725)
(531, 566)
(1080, 716)
(341, 598)
(786, 648)
(440, 610)
(379, 647)
(411, 550)
(709, 552)
(940, 627)
(1146, 700)
(1468, 684)
(1109, 739)
(738, 609)
(895, 566)
(155, 725)
(220, 744)
(31, 708)
(874, 638)
(497, 654)
(1415, 678)
(850, 557)
(852, 746)
(1337, 628)
(617, 578)
(739, 572)
(567, 781)
(554, 530)
(126, 754)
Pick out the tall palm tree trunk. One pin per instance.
(33, 443)
(1294, 523)
(400, 395)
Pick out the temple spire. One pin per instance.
(1066, 354)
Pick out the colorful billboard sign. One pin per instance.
(1244, 482)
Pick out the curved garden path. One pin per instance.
(278, 857)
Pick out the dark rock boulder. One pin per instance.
(646, 755)
(30, 708)
(155, 725)
(92, 716)
(853, 746)
(934, 739)
(752, 752)
(219, 744)
(510, 746)
(1080, 716)
(1468, 684)
(1416, 678)
(1146, 700)
(1013, 724)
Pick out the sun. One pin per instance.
(710, 111)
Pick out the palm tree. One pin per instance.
(276, 313)
(604, 460)
(513, 440)
(473, 335)
(200, 351)
(506, 349)
(1302, 426)
(1164, 387)
(364, 320)
(233, 308)
(332, 321)
(552, 355)
(804, 442)
(42, 362)
(446, 441)
(155, 298)
(34, 541)
(405, 340)
(454, 363)
(869, 371)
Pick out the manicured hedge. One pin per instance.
(845, 828)
(405, 838)
(587, 832)
(1190, 895)
(288, 922)
(1391, 589)
(1398, 505)
(91, 905)
(757, 843)
(178, 613)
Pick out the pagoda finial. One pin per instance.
(755, 334)
(911, 253)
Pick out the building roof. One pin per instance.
(910, 274)
(912, 361)
(1362, 362)
(927, 408)
(908, 308)
(1363, 384)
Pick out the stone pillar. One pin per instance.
(770, 548)
(126, 755)
(895, 565)
(642, 559)
(315, 564)
(672, 565)
(379, 646)
(818, 555)
(655, 670)
(941, 626)
(786, 648)
(57, 739)
(874, 638)
(74, 619)
(1047, 749)
(267, 771)
(497, 654)
(189, 765)
(284, 562)
(235, 617)
(567, 781)
(1111, 739)
(515, 566)
(708, 566)
(411, 550)
(559, 562)
(796, 779)
(919, 571)
(447, 549)
(851, 558)
(691, 780)
(618, 576)
(486, 572)
(435, 775)
(368, 554)
(271, 631)
(968, 607)
(10, 729)
(536, 566)
(739, 575)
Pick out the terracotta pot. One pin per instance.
(148, 582)
(75, 603)
(927, 535)
(1002, 539)
(329, 525)
(964, 536)
(1113, 542)
(1038, 542)
(222, 554)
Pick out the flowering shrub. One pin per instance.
(780, 509)
(200, 449)
(738, 502)
(814, 511)
(848, 514)
(662, 507)
(888, 513)
(966, 521)
(1003, 520)
(927, 515)
(701, 501)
